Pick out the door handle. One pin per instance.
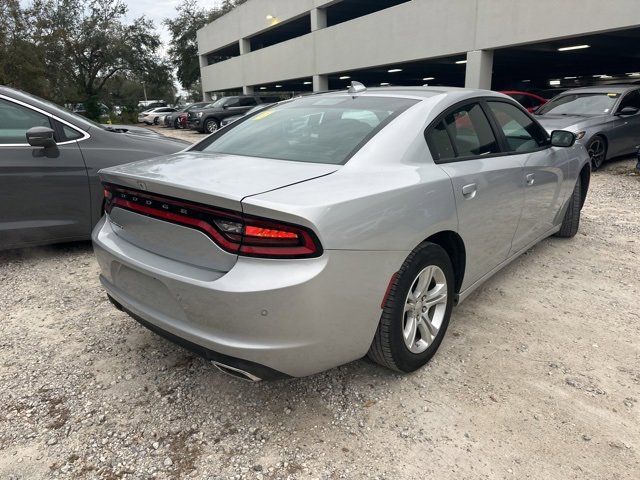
(469, 191)
(531, 178)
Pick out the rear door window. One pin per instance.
(247, 102)
(471, 132)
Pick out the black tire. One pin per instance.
(571, 220)
(176, 124)
(388, 347)
(211, 125)
(597, 148)
(155, 121)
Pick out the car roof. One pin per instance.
(603, 89)
(418, 92)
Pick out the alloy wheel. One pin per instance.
(597, 151)
(424, 309)
(211, 126)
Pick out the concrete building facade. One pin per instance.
(319, 44)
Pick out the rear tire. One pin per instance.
(176, 124)
(571, 220)
(414, 319)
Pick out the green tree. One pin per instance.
(21, 65)
(183, 47)
(69, 50)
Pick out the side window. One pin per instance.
(70, 133)
(631, 99)
(440, 143)
(470, 131)
(522, 133)
(15, 120)
(247, 102)
(232, 102)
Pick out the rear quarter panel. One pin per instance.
(392, 208)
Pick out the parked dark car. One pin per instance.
(233, 118)
(208, 119)
(172, 119)
(49, 159)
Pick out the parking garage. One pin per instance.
(288, 48)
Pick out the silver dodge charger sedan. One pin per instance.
(334, 226)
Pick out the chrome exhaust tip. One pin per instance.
(236, 372)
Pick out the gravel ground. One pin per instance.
(538, 377)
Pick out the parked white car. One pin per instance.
(153, 116)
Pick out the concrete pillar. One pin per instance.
(479, 69)
(247, 90)
(203, 63)
(245, 46)
(320, 83)
(318, 19)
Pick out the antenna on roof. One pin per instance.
(356, 87)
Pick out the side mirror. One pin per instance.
(40, 137)
(562, 138)
(628, 111)
(225, 107)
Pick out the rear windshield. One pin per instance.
(311, 129)
(580, 104)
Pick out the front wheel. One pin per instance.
(211, 125)
(155, 121)
(416, 313)
(176, 123)
(597, 148)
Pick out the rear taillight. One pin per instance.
(232, 231)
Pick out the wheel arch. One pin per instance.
(585, 179)
(602, 135)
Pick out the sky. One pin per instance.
(158, 10)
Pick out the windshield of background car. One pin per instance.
(581, 104)
(310, 129)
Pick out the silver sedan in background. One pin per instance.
(606, 119)
(333, 226)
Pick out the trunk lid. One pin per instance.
(158, 192)
(212, 178)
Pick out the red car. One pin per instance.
(183, 118)
(528, 100)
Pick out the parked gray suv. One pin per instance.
(49, 159)
(208, 119)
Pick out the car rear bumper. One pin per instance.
(294, 317)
